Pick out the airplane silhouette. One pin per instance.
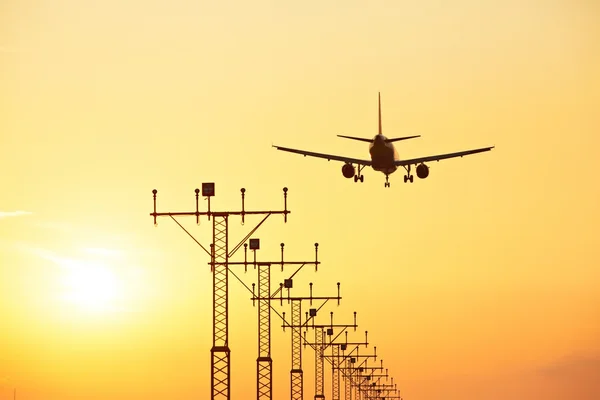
(384, 157)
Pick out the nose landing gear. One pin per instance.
(387, 182)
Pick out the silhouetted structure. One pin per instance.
(220, 254)
(352, 369)
(336, 361)
(321, 333)
(353, 373)
(383, 157)
(296, 374)
(264, 361)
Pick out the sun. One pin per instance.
(92, 287)
(90, 284)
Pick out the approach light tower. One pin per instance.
(368, 382)
(219, 256)
(296, 325)
(320, 344)
(336, 361)
(264, 362)
(351, 369)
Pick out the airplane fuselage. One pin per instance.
(383, 155)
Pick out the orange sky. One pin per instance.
(480, 282)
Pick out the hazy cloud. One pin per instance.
(6, 214)
(582, 369)
(576, 377)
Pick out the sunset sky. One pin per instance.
(480, 282)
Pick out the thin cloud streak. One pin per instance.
(7, 214)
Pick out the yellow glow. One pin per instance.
(90, 282)
(488, 267)
(91, 285)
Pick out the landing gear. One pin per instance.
(408, 177)
(387, 182)
(359, 176)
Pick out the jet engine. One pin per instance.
(348, 170)
(422, 171)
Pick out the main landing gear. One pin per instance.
(359, 176)
(408, 177)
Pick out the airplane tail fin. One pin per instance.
(379, 101)
(380, 129)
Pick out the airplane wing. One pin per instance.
(439, 157)
(328, 157)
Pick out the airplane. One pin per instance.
(384, 157)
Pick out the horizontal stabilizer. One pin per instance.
(357, 138)
(401, 138)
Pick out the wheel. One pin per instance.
(362, 178)
(405, 178)
(411, 179)
(355, 178)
